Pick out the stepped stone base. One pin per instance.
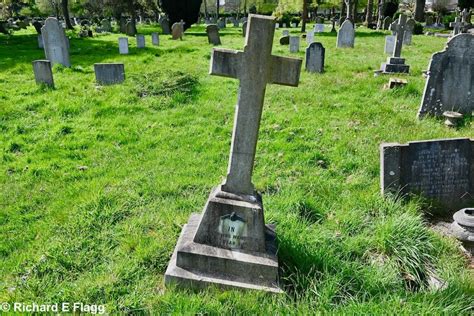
(395, 65)
(199, 265)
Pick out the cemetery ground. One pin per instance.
(96, 182)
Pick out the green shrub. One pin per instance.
(418, 29)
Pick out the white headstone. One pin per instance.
(294, 44)
(140, 41)
(389, 44)
(123, 45)
(319, 28)
(310, 37)
(56, 44)
(155, 39)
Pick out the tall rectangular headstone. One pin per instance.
(294, 44)
(389, 44)
(315, 54)
(309, 37)
(229, 244)
(56, 45)
(43, 72)
(441, 170)
(155, 39)
(213, 37)
(140, 41)
(123, 45)
(395, 63)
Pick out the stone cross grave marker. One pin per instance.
(110, 73)
(396, 64)
(123, 45)
(43, 72)
(456, 25)
(229, 244)
(441, 170)
(155, 39)
(56, 44)
(315, 57)
(450, 82)
(213, 37)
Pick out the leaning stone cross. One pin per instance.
(229, 244)
(400, 29)
(456, 25)
(255, 67)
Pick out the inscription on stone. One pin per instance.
(232, 230)
(441, 170)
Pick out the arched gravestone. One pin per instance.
(56, 46)
(165, 25)
(386, 23)
(346, 35)
(177, 31)
(315, 57)
(130, 29)
(409, 32)
(213, 34)
(450, 82)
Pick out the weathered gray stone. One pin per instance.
(221, 23)
(40, 41)
(229, 244)
(285, 33)
(315, 54)
(346, 35)
(165, 26)
(319, 28)
(130, 28)
(409, 32)
(155, 39)
(244, 29)
(386, 22)
(177, 31)
(43, 72)
(140, 41)
(309, 37)
(441, 170)
(108, 74)
(285, 40)
(123, 45)
(106, 25)
(450, 82)
(294, 44)
(56, 44)
(213, 34)
(389, 44)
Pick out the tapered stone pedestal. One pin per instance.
(395, 65)
(222, 247)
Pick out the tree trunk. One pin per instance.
(355, 3)
(304, 16)
(343, 5)
(420, 10)
(217, 8)
(370, 8)
(65, 7)
(245, 8)
(206, 14)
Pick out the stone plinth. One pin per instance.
(107, 74)
(395, 65)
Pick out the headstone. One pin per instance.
(294, 44)
(165, 26)
(140, 41)
(236, 23)
(285, 40)
(429, 20)
(293, 25)
(123, 45)
(277, 26)
(309, 37)
(284, 25)
(177, 31)
(315, 57)
(43, 73)
(108, 74)
(221, 23)
(155, 39)
(40, 41)
(123, 25)
(244, 29)
(131, 30)
(37, 25)
(386, 22)
(106, 25)
(450, 82)
(213, 34)
(409, 32)
(56, 44)
(389, 44)
(456, 25)
(319, 28)
(396, 64)
(346, 35)
(229, 243)
(441, 170)
(285, 33)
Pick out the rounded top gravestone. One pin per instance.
(56, 44)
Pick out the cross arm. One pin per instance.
(226, 62)
(285, 71)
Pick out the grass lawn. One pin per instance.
(97, 182)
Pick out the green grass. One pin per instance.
(96, 182)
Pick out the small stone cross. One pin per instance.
(399, 28)
(456, 25)
(255, 67)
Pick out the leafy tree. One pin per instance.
(465, 4)
(186, 10)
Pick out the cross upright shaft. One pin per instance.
(255, 67)
(400, 29)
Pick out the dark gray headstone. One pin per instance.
(441, 170)
(386, 22)
(165, 26)
(140, 41)
(315, 57)
(107, 74)
(450, 82)
(43, 72)
(213, 34)
(130, 28)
